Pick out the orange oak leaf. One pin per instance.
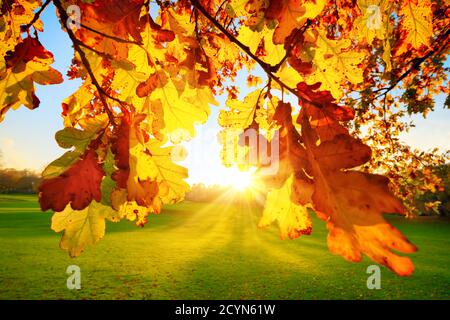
(352, 202)
(78, 185)
(155, 80)
(323, 112)
(122, 17)
(291, 14)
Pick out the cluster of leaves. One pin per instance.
(150, 71)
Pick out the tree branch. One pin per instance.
(36, 16)
(442, 38)
(105, 35)
(265, 66)
(85, 61)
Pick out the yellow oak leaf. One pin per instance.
(170, 175)
(183, 111)
(416, 24)
(272, 53)
(241, 113)
(334, 62)
(82, 227)
(236, 8)
(150, 161)
(293, 219)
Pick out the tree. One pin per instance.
(151, 69)
(437, 201)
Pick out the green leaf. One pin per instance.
(72, 137)
(60, 165)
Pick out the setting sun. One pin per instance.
(241, 180)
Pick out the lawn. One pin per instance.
(206, 251)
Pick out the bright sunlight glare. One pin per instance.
(239, 180)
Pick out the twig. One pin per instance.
(265, 66)
(292, 45)
(36, 16)
(442, 38)
(117, 39)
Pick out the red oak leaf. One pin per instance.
(78, 185)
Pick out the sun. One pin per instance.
(240, 180)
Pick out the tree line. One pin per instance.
(18, 181)
(27, 181)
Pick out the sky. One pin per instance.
(27, 136)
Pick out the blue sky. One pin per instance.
(27, 137)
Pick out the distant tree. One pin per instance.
(437, 202)
(18, 181)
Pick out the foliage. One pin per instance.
(150, 71)
(437, 202)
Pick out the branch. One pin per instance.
(442, 38)
(77, 47)
(36, 16)
(265, 66)
(117, 39)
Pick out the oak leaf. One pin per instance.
(353, 203)
(27, 64)
(77, 186)
(291, 14)
(293, 219)
(416, 25)
(82, 227)
(334, 62)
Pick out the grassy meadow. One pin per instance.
(206, 251)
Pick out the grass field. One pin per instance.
(206, 251)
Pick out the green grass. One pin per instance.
(206, 251)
